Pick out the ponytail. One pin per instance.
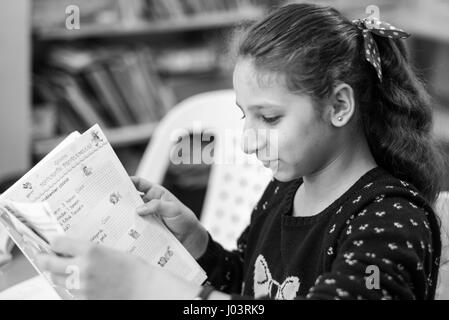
(399, 127)
(316, 47)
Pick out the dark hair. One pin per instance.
(316, 48)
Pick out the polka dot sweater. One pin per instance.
(379, 240)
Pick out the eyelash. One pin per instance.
(266, 119)
(270, 120)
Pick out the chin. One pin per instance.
(284, 176)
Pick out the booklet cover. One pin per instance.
(82, 190)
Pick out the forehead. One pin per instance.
(251, 82)
(247, 74)
(259, 87)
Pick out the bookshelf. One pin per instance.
(28, 39)
(34, 124)
(128, 31)
(120, 137)
(14, 90)
(196, 23)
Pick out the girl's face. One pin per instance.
(303, 141)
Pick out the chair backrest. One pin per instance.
(442, 210)
(236, 180)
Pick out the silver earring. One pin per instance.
(339, 118)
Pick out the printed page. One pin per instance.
(29, 242)
(36, 288)
(5, 246)
(92, 197)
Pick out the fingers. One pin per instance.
(155, 206)
(63, 273)
(54, 264)
(59, 279)
(69, 246)
(151, 190)
(142, 184)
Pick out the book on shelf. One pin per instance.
(182, 9)
(80, 189)
(128, 13)
(162, 94)
(188, 59)
(79, 100)
(43, 121)
(113, 87)
(108, 97)
(130, 85)
(440, 76)
(52, 13)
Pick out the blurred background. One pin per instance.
(130, 61)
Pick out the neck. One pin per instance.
(328, 183)
(341, 172)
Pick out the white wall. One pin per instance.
(14, 86)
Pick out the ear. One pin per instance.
(342, 105)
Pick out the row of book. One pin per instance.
(52, 13)
(113, 87)
(194, 59)
(178, 9)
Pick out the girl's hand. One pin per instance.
(96, 272)
(179, 219)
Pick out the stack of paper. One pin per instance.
(81, 189)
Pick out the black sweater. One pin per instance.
(379, 240)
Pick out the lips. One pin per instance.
(266, 164)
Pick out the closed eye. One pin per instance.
(270, 120)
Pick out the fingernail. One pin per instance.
(140, 210)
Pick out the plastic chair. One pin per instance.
(236, 180)
(442, 210)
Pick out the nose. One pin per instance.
(252, 141)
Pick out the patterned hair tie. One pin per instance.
(382, 29)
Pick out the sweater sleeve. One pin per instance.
(225, 268)
(384, 252)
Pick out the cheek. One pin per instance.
(294, 141)
(301, 145)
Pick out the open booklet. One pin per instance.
(82, 190)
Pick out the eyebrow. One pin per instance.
(256, 106)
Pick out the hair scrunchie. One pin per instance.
(380, 28)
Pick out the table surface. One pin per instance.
(17, 270)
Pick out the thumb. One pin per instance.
(156, 206)
(68, 246)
